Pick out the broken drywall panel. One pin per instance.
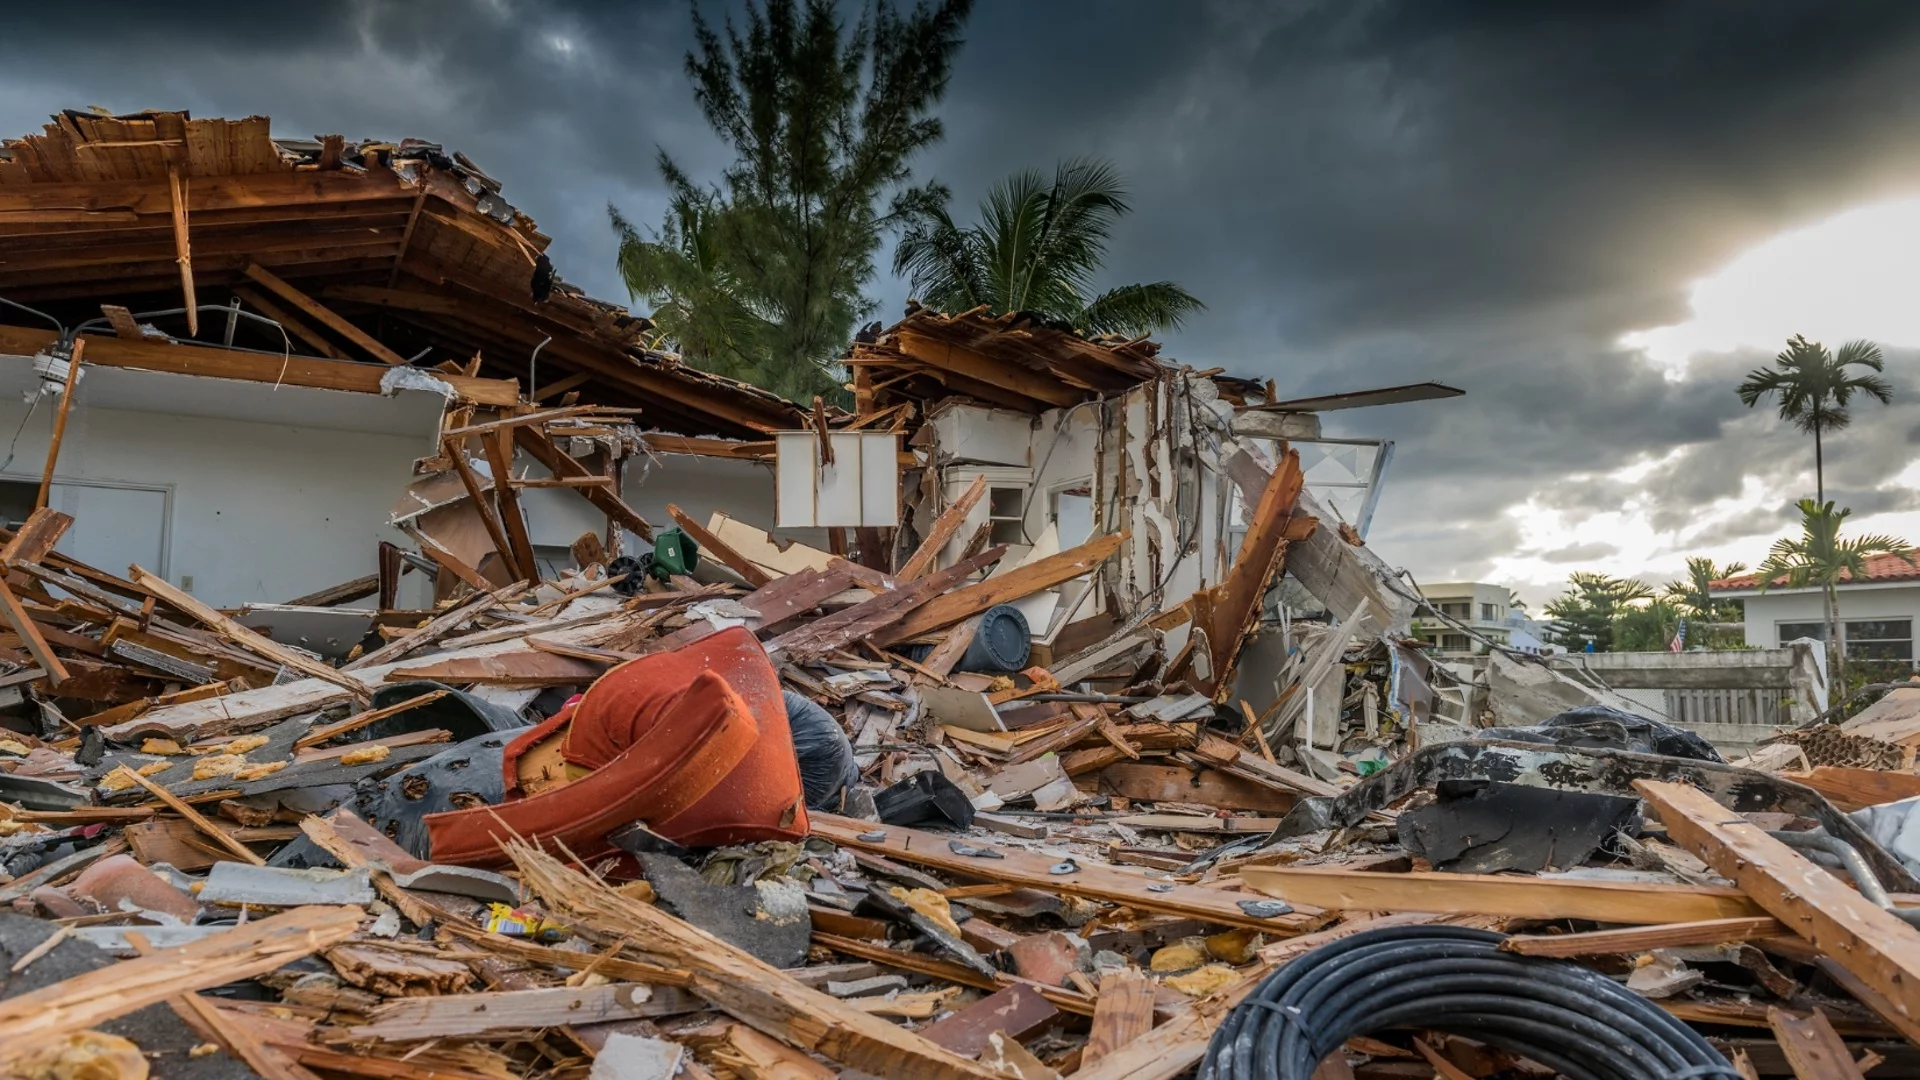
(975, 434)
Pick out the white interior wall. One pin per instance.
(697, 485)
(260, 507)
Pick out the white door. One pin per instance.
(113, 526)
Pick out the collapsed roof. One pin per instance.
(397, 252)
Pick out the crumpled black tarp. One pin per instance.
(826, 755)
(1597, 726)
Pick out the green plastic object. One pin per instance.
(674, 552)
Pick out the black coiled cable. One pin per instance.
(1444, 978)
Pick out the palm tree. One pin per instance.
(1037, 249)
(1815, 387)
(1694, 597)
(1820, 557)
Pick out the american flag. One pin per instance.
(1679, 638)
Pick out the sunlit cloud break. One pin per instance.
(1850, 276)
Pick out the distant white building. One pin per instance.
(1877, 613)
(1483, 607)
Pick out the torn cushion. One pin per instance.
(762, 798)
(698, 738)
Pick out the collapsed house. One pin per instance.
(1045, 714)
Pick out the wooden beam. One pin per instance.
(327, 316)
(1122, 1013)
(561, 386)
(944, 527)
(456, 453)
(42, 530)
(718, 548)
(437, 627)
(1851, 789)
(300, 193)
(1814, 1050)
(1234, 607)
(1868, 941)
(499, 446)
(182, 248)
(270, 368)
(1092, 880)
(60, 422)
(1641, 939)
(560, 464)
(16, 616)
(291, 323)
(406, 236)
(746, 988)
(34, 1021)
(197, 819)
(1022, 581)
(1633, 903)
(972, 364)
(242, 636)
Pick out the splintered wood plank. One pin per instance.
(180, 806)
(499, 444)
(750, 990)
(332, 319)
(60, 423)
(1871, 998)
(1633, 903)
(457, 456)
(530, 668)
(952, 647)
(862, 620)
(1092, 880)
(16, 616)
(1868, 941)
(556, 461)
(1641, 939)
(1012, 585)
(240, 635)
(1814, 1050)
(1122, 1013)
(36, 1020)
(182, 248)
(321, 734)
(1851, 789)
(719, 549)
(477, 1014)
(943, 530)
(436, 628)
(1235, 602)
(42, 531)
(1060, 997)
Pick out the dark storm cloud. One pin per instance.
(1364, 192)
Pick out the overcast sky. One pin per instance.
(1364, 193)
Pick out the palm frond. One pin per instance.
(1139, 309)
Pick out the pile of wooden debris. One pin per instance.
(1056, 872)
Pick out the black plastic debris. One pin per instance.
(827, 767)
(458, 712)
(1599, 727)
(1476, 826)
(1001, 646)
(925, 798)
